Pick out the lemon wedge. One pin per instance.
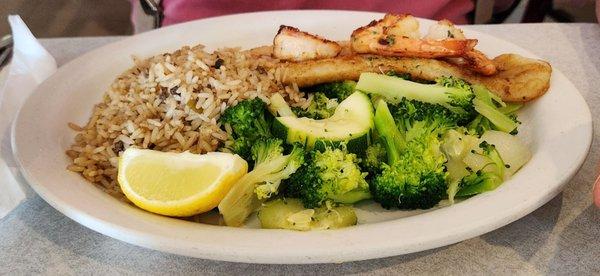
(178, 184)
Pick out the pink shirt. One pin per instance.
(176, 11)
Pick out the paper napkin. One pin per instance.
(30, 65)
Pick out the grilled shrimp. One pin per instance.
(476, 61)
(472, 59)
(295, 45)
(398, 35)
(444, 29)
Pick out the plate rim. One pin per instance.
(120, 233)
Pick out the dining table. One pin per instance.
(561, 237)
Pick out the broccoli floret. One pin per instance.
(321, 107)
(330, 175)
(266, 149)
(373, 160)
(335, 90)
(240, 146)
(249, 121)
(414, 176)
(406, 186)
(271, 167)
(457, 99)
(266, 153)
(433, 116)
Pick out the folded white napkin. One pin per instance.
(30, 65)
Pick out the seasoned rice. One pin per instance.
(171, 102)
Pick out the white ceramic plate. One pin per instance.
(557, 128)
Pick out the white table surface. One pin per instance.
(562, 237)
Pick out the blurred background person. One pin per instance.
(72, 18)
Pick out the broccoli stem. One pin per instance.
(388, 131)
(394, 89)
(498, 119)
(487, 96)
(510, 108)
(485, 104)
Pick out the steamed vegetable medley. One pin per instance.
(406, 144)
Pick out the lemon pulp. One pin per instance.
(156, 183)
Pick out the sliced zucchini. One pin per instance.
(279, 107)
(290, 214)
(351, 122)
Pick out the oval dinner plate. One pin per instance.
(557, 127)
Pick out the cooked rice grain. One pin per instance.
(170, 102)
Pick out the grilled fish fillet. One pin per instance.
(518, 79)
